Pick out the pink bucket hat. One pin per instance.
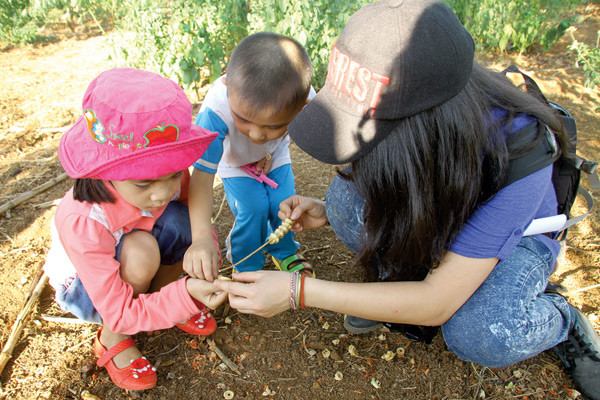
(135, 125)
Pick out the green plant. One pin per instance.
(16, 24)
(77, 12)
(314, 24)
(191, 41)
(20, 20)
(588, 59)
(186, 41)
(514, 25)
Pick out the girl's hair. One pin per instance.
(270, 71)
(424, 180)
(92, 191)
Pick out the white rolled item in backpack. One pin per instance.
(548, 224)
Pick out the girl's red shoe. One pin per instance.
(139, 375)
(200, 324)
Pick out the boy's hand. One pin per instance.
(201, 260)
(307, 213)
(205, 292)
(264, 164)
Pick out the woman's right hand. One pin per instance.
(307, 213)
(263, 293)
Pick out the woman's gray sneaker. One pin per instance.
(581, 355)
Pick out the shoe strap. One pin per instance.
(113, 351)
(295, 263)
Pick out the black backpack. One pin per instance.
(566, 171)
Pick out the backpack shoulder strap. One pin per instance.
(542, 155)
(547, 153)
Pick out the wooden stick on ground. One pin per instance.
(17, 328)
(26, 196)
(213, 346)
(63, 320)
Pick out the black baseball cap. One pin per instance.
(393, 59)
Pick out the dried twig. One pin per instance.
(219, 212)
(84, 341)
(61, 129)
(167, 352)
(36, 161)
(583, 289)
(273, 238)
(232, 366)
(316, 249)
(26, 196)
(16, 251)
(34, 282)
(243, 259)
(64, 320)
(46, 204)
(17, 328)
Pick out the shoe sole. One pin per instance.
(359, 331)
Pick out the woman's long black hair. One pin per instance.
(424, 180)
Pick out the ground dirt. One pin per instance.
(296, 355)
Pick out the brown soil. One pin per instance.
(295, 355)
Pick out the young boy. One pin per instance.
(266, 85)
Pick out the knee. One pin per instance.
(344, 207)
(487, 344)
(139, 258)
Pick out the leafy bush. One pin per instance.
(16, 25)
(20, 20)
(588, 59)
(514, 24)
(191, 40)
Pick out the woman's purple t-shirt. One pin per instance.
(497, 226)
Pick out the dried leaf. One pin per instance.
(352, 350)
(376, 384)
(389, 356)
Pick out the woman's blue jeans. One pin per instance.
(508, 319)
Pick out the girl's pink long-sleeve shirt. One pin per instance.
(84, 237)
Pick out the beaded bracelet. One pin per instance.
(293, 283)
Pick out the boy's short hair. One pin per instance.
(270, 71)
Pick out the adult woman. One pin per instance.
(422, 204)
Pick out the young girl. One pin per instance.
(119, 235)
(425, 128)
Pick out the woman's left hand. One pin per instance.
(264, 293)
